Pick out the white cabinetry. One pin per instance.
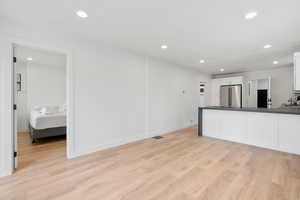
(261, 130)
(212, 126)
(229, 129)
(268, 130)
(288, 134)
(218, 82)
(297, 71)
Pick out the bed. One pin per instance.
(43, 125)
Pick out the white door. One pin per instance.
(15, 121)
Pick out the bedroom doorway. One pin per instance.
(40, 106)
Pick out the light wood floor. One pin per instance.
(181, 166)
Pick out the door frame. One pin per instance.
(15, 109)
(8, 141)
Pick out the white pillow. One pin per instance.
(63, 108)
(37, 108)
(46, 110)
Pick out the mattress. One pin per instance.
(41, 121)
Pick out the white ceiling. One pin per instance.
(213, 30)
(39, 56)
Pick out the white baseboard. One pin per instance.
(5, 172)
(127, 141)
(107, 146)
(168, 130)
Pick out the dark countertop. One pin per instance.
(293, 111)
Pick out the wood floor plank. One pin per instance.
(180, 166)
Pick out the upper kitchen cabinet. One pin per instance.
(297, 71)
(232, 80)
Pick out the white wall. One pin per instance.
(281, 85)
(46, 85)
(119, 97)
(263, 84)
(41, 85)
(109, 98)
(173, 97)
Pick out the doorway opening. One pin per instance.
(40, 105)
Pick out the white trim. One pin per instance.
(71, 108)
(147, 96)
(123, 141)
(135, 138)
(6, 142)
(7, 115)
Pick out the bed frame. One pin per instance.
(45, 133)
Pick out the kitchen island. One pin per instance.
(277, 128)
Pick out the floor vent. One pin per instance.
(157, 137)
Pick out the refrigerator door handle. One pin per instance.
(230, 96)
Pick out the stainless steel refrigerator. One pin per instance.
(231, 96)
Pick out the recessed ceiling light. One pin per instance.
(202, 61)
(222, 70)
(29, 59)
(81, 13)
(267, 46)
(275, 62)
(164, 46)
(250, 15)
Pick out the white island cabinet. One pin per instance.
(273, 130)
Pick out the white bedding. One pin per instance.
(41, 121)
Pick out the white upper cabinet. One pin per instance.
(297, 71)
